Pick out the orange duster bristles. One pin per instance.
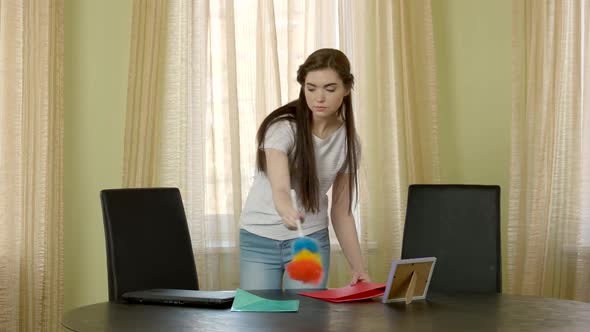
(306, 267)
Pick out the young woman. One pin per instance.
(308, 145)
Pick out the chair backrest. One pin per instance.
(147, 240)
(460, 226)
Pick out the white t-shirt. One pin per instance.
(260, 216)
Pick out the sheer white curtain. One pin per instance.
(244, 56)
(227, 64)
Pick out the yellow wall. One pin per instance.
(96, 60)
(473, 45)
(473, 41)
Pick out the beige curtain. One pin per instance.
(548, 240)
(143, 118)
(31, 165)
(221, 66)
(394, 61)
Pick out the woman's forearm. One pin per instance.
(345, 229)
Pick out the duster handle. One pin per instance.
(294, 202)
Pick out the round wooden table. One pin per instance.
(497, 312)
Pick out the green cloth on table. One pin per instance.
(245, 301)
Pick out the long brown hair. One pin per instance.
(303, 166)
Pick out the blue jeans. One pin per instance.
(263, 262)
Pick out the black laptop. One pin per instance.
(212, 299)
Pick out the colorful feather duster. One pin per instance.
(306, 265)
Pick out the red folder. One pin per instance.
(357, 292)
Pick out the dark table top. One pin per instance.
(496, 312)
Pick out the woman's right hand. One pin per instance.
(290, 217)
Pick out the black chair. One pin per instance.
(147, 241)
(460, 226)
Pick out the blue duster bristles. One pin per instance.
(305, 243)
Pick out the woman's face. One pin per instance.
(324, 92)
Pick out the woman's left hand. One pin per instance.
(359, 277)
